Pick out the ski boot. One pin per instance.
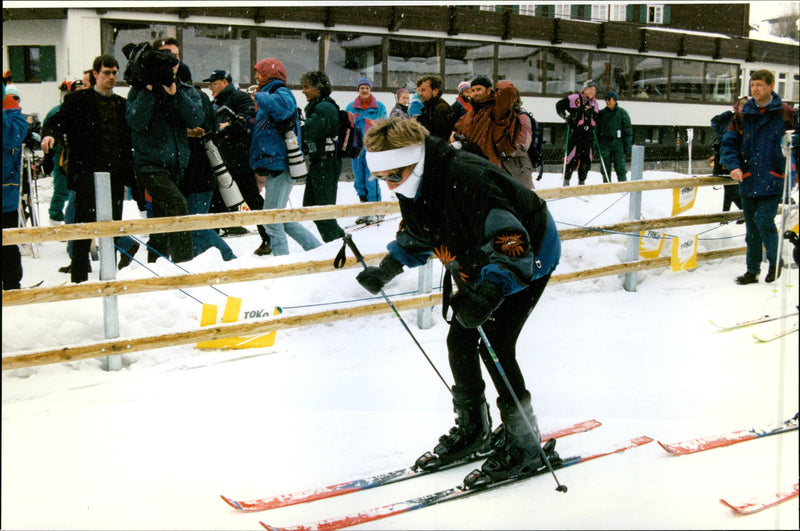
(520, 453)
(471, 436)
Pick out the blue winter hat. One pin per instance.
(364, 81)
(612, 94)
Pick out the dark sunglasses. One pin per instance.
(395, 177)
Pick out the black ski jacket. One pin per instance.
(470, 210)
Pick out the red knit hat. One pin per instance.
(10, 102)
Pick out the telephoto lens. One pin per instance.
(294, 156)
(228, 188)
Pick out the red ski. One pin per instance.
(759, 503)
(726, 439)
(284, 500)
(443, 496)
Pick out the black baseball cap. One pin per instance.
(219, 74)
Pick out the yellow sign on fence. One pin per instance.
(231, 314)
(682, 199)
(684, 253)
(650, 244)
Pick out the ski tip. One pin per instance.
(233, 503)
(269, 527)
(729, 506)
(644, 439)
(666, 448)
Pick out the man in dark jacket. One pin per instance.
(719, 124)
(93, 121)
(505, 244)
(235, 110)
(751, 150)
(159, 116)
(320, 131)
(615, 136)
(437, 116)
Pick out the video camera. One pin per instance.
(148, 66)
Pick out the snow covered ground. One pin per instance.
(153, 445)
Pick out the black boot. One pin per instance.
(470, 435)
(772, 274)
(520, 453)
(747, 278)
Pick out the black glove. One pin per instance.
(473, 306)
(374, 278)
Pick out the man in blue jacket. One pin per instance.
(14, 130)
(751, 149)
(159, 117)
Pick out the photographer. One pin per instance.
(94, 123)
(234, 109)
(160, 110)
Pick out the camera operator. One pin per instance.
(234, 110)
(94, 123)
(160, 110)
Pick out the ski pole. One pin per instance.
(566, 145)
(453, 267)
(786, 148)
(606, 175)
(348, 240)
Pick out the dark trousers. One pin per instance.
(760, 230)
(579, 155)
(322, 185)
(465, 347)
(86, 212)
(613, 157)
(168, 200)
(12, 260)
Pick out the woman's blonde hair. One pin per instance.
(394, 133)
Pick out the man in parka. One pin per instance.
(615, 136)
(159, 117)
(751, 150)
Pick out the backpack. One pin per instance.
(350, 141)
(535, 149)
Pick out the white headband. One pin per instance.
(394, 158)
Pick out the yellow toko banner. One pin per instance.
(682, 199)
(684, 253)
(231, 314)
(650, 244)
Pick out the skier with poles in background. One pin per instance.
(580, 112)
(470, 213)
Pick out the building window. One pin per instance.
(617, 12)
(527, 9)
(721, 82)
(516, 64)
(409, 59)
(32, 64)
(599, 12)
(650, 78)
(350, 56)
(562, 10)
(464, 60)
(486, 8)
(795, 88)
(780, 87)
(208, 48)
(655, 14)
(297, 50)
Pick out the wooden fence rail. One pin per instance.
(123, 287)
(283, 322)
(103, 229)
(195, 222)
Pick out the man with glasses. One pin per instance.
(506, 245)
(93, 122)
